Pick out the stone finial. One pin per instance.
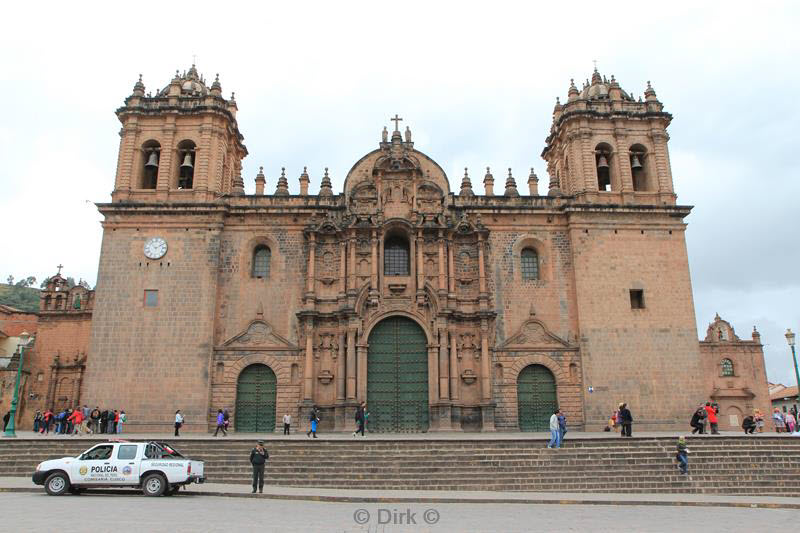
(385, 135)
(216, 87)
(573, 91)
(261, 181)
(511, 186)
(650, 93)
(325, 187)
(756, 335)
(596, 77)
(233, 96)
(488, 183)
(238, 183)
(466, 185)
(533, 183)
(304, 181)
(553, 188)
(408, 134)
(283, 184)
(138, 88)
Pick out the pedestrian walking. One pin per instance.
(697, 420)
(75, 420)
(178, 422)
(626, 419)
(48, 421)
(361, 418)
(712, 411)
(777, 419)
(6, 418)
(226, 418)
(682, 456)
(748, 425)
(313, 418)
(123, 419)
(37, 421)
(791, 421)
(287, 423)
(220, 424)
(258, 458)
(562, 426)
(555, 433)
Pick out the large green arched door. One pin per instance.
(397, 377)
(536, 398)
(255, 399)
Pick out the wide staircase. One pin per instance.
(761, 465)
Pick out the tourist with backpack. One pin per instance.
(361, 418)
(220, 424)
(697, 420)
(682, 456)
(313, 418)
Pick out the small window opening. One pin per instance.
(529, 260)
(727, 368)
(396, 257)
(637, 299)
(261, 260)
(151, 298)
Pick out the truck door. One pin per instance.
(94, 467)
(126, 461)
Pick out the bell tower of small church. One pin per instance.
(605, 146)
(180, 144)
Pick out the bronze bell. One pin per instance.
(187, 161)
(152, 160)
(635, 162)
(602, 162)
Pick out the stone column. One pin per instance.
(486, 369)
(308, 373)
(312, 252)
(374, 280)
(451, 268)
(361, 350)
(454, 374)
(342, 267)
(420, 261)
(444, 389)
(481, 266)
(351, 364)
(442, 280)
(340, 368)
(352, 273)
(433, 375)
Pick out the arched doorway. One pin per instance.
(255, 399)
(397, 377)
(536, 398)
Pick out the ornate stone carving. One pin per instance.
(534, 333)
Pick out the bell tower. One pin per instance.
(606, 147)
(180, 144)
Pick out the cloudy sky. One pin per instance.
(476, 82)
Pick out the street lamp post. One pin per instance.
(9, 433)
(790, 340)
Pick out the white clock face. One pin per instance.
(155, 248)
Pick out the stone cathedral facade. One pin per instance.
(477, 308)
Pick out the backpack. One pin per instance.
(358, 413)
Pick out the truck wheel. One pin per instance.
(154, 485)
(56, 484)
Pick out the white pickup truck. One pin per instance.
(155, 467)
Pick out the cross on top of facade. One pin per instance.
(396, 120)
(59, 269)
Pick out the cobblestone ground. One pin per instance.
(120, 513)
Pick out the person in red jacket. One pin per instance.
(77, 419)
(712, 417)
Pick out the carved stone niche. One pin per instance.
(429, 198)
(364, 198)
(469, 376)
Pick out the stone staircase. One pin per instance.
(762, 465)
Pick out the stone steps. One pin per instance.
(730, 465)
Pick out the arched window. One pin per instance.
(261, 258)
(638, 171)
(186, 160)
(151, 152)
(395, 257)
(603, 163)
(529, 260)
(727, 367)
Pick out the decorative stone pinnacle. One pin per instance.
(325, 187)
(511, 186)
(282, 189)
(466, 185)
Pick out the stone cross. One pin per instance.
(396, 120)
(59, 269)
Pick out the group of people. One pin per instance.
(784, 422)
(621, 419)
(558, 428)
(703, 417)
(80, 420)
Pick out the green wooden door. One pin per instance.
(397, 377)
(536, 398)
(255, 399)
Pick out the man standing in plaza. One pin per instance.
(287, 423)
(555, 431)
(258, 458)
(627, 420)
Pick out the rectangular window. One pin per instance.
(151, 298)
(127, 451)
(637, 299)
